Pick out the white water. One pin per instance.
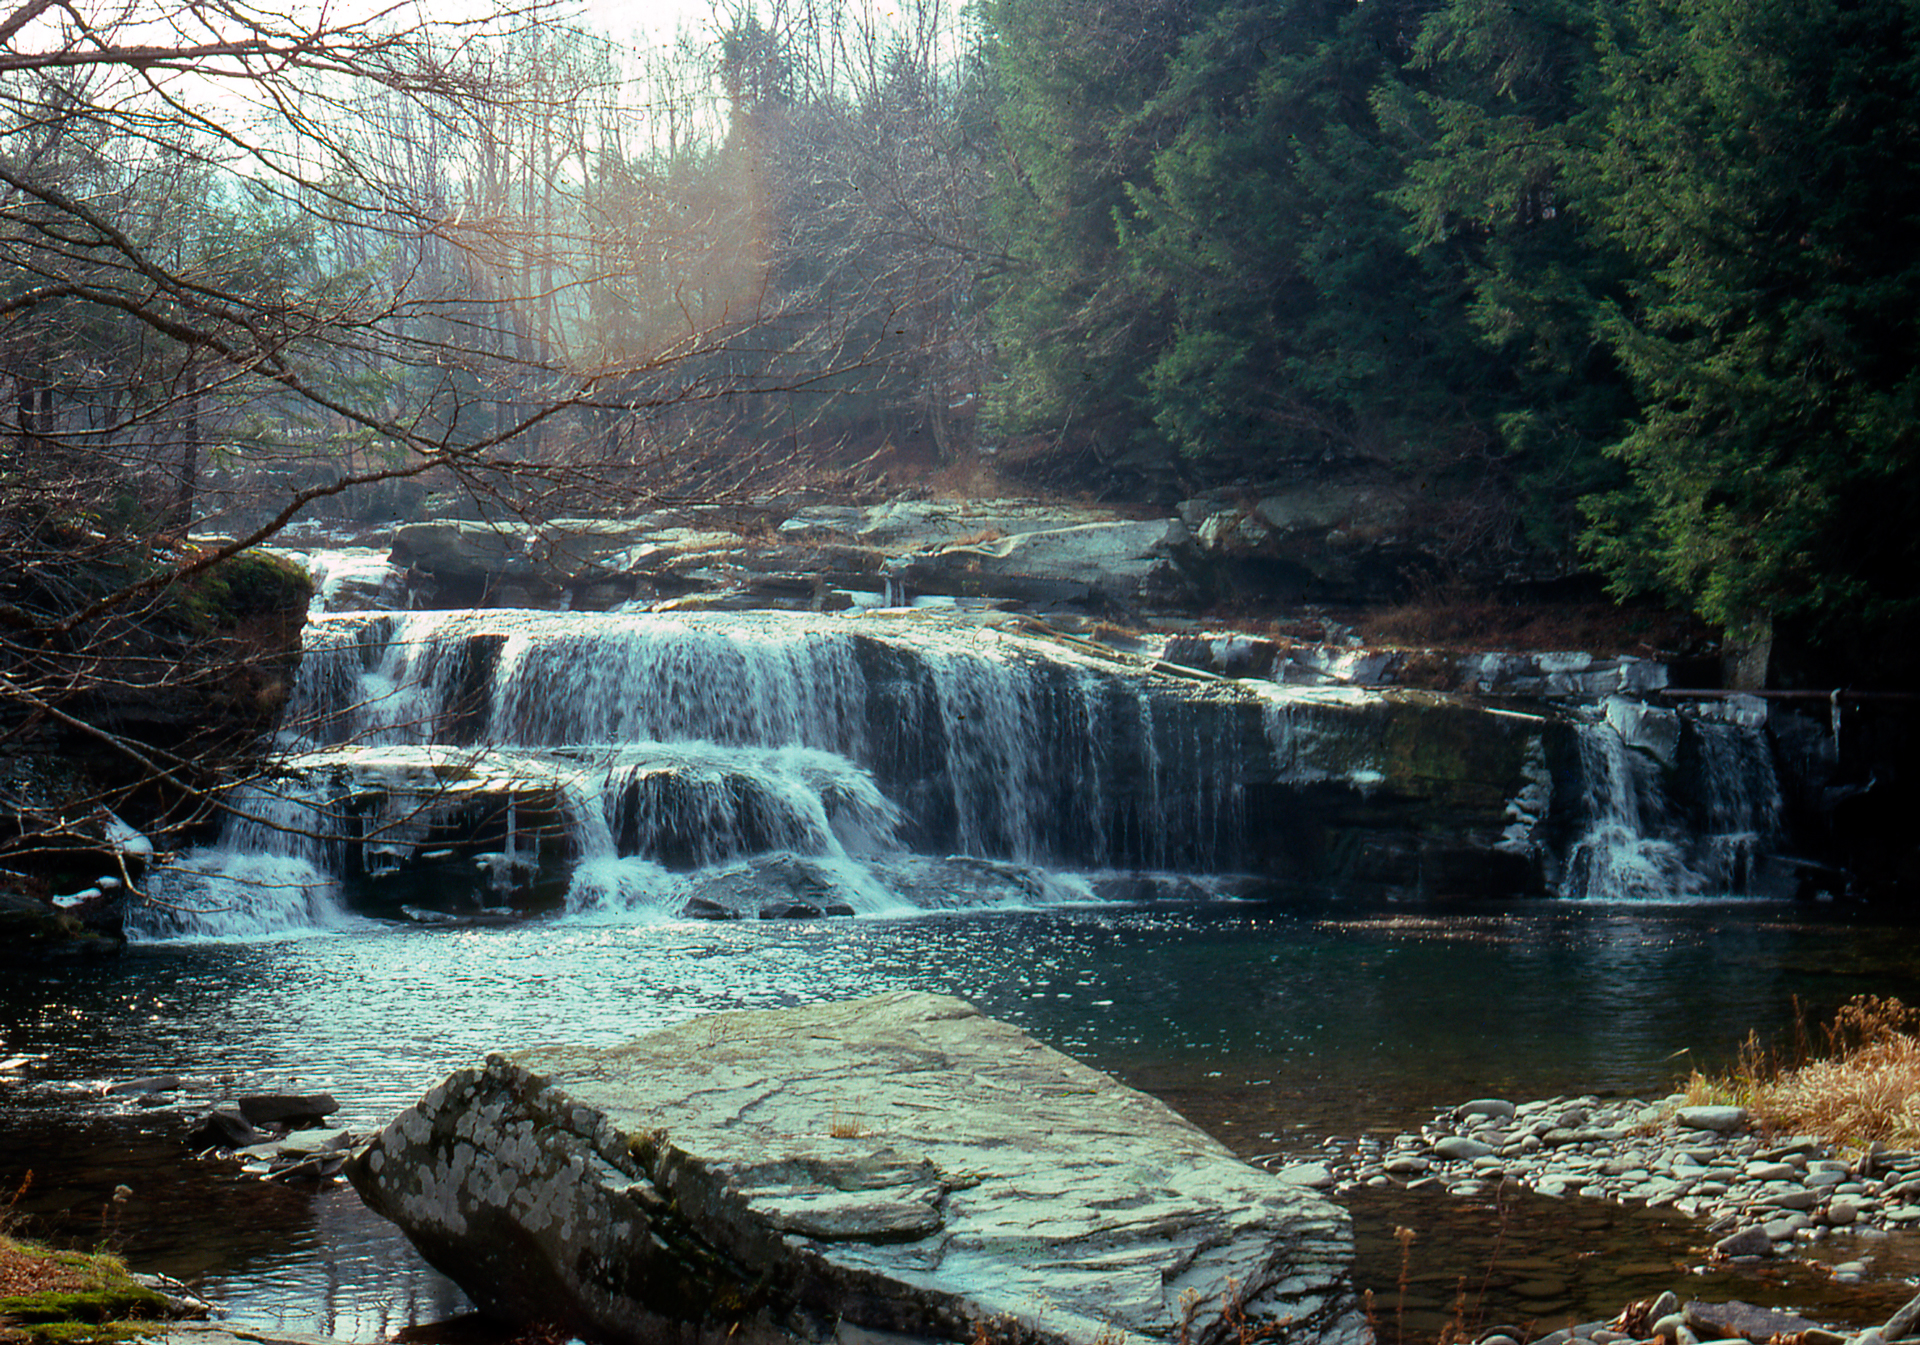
(1637, 844)
(272, 874)
(679, 746)
(663, 759)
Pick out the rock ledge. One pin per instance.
(899, 1164)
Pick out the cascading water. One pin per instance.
(273, 872)
(782, 763)
(1672, 806)
(646, 752)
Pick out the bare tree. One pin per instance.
(208, 258)
(256, 260)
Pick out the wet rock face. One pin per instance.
(897, 1164)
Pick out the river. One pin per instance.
(1271, 1025)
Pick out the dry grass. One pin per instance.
(52, 1297)
(846, 1127)
(26, 1268)
(1861, 1085)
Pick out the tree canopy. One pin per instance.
(1756, 164)
(1645, 265)
(1631, 276)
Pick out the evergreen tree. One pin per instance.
(1302, 326)
(1757, 168)
(1499, 135)
(1074, 329)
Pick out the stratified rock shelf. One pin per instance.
(899, 1164)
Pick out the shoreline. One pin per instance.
(1758, 1202)
(1707, 1163)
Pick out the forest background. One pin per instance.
(1628, 285)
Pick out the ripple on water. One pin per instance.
(1271, 1027)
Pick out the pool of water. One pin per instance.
(1272, 1027)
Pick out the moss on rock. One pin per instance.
(57, 1297)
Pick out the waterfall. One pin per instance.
(784, 763)
(274, 871)
(646, 754)
(1672, 806)
(1623, 853)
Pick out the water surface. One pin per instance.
(1273, 1027)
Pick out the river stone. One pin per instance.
(1720, 1119)
(1317, 1175)
(1901, 1324)
(896, 1164)
(1498, 1108)
(1720, 1321)
(223, 1128)
(293, 1109)
(1747, 1242)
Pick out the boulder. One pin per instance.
(465, 563)
(357, 579)
(1654, 731)
(899, 1164)
(1737, 1320)
(1340, 535)
(1089, 565)
(31, 925)
(224, 1128)
(1901, 1324)
(289, 1109)
(1747, 1242)
(1719, 1119)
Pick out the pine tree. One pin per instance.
(1302, 327)
(1073, 328)
(1499, 125)
(1757, 167)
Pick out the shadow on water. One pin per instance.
(1271, 1027)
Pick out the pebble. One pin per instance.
(1485, 1106)
(1665, 1319)
(1318, 1176)
(1782, 1229)
(1753, 1199)
(1718, 1119)
(1747, 1242)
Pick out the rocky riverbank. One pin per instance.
(1667, 1320)
(1754, 1195)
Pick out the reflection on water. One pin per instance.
(1271, 1027)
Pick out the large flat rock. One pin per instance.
(897, 1165)
(1122, 561)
